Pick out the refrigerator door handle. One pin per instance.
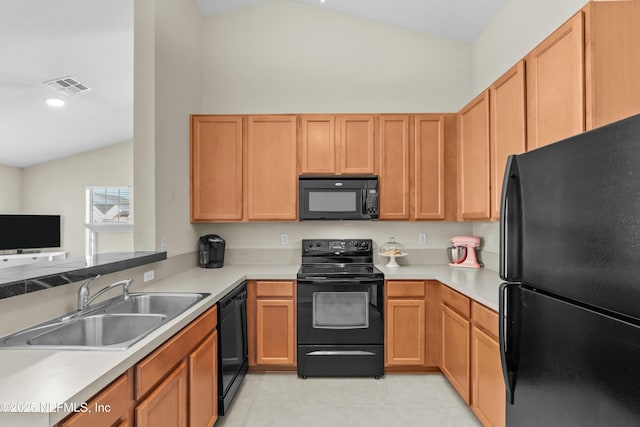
(510, 217)
(508, 340)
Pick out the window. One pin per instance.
(107, 210)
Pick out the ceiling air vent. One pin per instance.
(67, 85)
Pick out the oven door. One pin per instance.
(347, 311)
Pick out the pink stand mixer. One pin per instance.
(462, 252)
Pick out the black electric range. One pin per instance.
(340, 309)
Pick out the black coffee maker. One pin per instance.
(211, 250)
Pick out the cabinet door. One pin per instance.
(612, 60)
(473, 136)
(272, 178)
(456, 332)
(394, 167)
(405, 343)
(167, 403)
(488, 401)
(113, 402)
(203, 383)
(555, 86)
(317, 147)
(275, 332)
(428, 183)
(508, 128)
(357, 144)
(216, 168)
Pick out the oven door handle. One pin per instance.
(367, 281)
(341, 353)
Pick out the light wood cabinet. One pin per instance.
(317, 145)
(167, 403)
(456, 341)
(412, 325)
(428, 187)
(357, 144)
(488, 389)
(394, 176)
(271, 322)
(507, 127)
(337, 144)
(405, 326)
(108, 408)
(584, 75)
(216, 168)
(555, 85)
(272, 177)
(203, 383)
(473, 151)
(178, 381)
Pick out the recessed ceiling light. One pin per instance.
(54, 102)
(322, 1)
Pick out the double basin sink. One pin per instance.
(115, 324)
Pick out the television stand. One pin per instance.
(30, 257)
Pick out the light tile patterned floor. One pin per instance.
(283, 400)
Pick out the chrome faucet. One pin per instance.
(83, 293)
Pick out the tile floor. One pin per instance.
(283, 400)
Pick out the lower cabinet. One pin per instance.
(176, 385)
(167, 403)
(488, 389)
(271, 318)
(471, 356)
(411, 328)
(110, 407)
(178, 382)
(456, 341)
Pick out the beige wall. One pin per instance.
(519, 27)
(11, 194)
(58, 187)
(282, 56)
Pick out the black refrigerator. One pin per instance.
(570, 257)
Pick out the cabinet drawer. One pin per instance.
(116, 395)
(159, 363)
(456, 301)
(410, 288)
(275, 288)
(485, 318)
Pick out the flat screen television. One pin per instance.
(29, 232)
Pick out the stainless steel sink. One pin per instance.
(99, 331)
(169, 304)
(115, 324)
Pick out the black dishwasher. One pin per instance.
(232, 345)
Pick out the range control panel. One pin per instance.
(336, 245)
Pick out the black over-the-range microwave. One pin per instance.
(338, 197)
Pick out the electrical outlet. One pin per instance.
(163, 244)
(148, 275)
(490, 239)
(422, 238)
(284, 239)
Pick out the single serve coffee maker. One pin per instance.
(211, 250)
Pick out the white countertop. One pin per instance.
(41, 379)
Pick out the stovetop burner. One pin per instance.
(338, 258)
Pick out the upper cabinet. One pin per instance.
(337, 144)
(272, 177)
(416, 182)
(473, 146)
(318, 144)
(394, 167)
(507, 115)
(243, 168)
(584, 75)
(555, 85)
(216, 168)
